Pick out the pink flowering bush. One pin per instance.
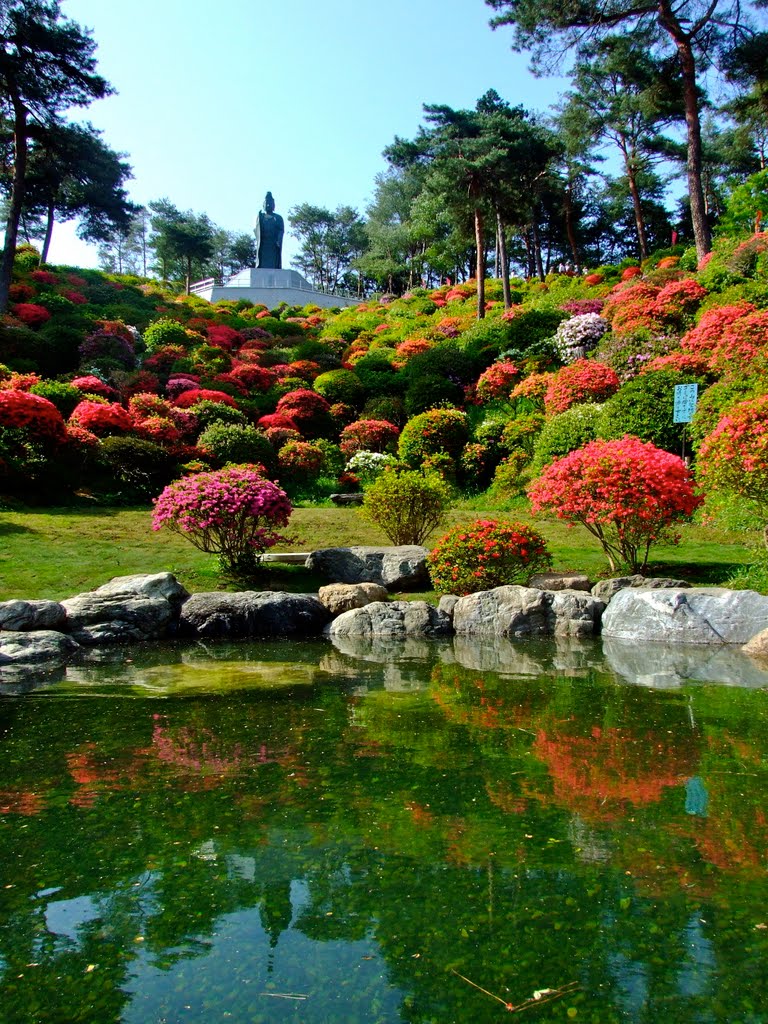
(233, 513)
(627, 493)
(92, 385)
(368, 436)
(486, 554)
(586, 380)
(734, 456)
(189, 398)
(102, 417)
(678, 300)
(497, 381)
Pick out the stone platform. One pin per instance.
(269, 288)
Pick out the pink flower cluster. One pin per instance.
(585, 380)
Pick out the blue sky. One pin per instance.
(217, 103)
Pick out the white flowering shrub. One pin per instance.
(367, 466)
(579, 335)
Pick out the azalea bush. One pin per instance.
(308, 410)
(407, 505)
(102, 417)
(627, 493)
(300, 462)
(368, 436)
(497, 381)
(488, 553)
(586, 380)
(367, 466)
(39, 417)
(734, 457)
(234, 513)
(578, 335)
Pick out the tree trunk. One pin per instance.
(629, 167)
(48, 233)
(570, 229)
(503, 260)
(537, 249)
(16, 199)
(682, 40)
(480, 264)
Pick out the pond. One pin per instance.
(275, 832)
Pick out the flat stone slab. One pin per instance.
(396, 568)
(286, 557)
(698, 615)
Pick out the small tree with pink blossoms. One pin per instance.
(628, 493)
(233, 513)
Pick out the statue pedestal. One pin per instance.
(263, 286)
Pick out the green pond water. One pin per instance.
(270, 832)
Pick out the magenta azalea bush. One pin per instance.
(233, 512)
(488, 553)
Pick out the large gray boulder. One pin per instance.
(127, 609)
(253, 613)
(527, 612)
(30, 615)
(391, 619)
(396, 568)
(697, 615)
(605, 590)
(343, 597)
(35, 647)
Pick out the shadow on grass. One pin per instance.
(6, 529)
(702, 573)
(292, 579)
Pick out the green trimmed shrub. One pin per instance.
(140, 468)
(429, 433)
(406, 505)
(166, 332)
(643, 407)
(63, 396)
(237, 443)
(340, 386)
(208, 412)
(566, 432)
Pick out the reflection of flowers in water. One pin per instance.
(22, 801)
(592, 774)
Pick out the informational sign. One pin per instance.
(686, 396)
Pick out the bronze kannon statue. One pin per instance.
(269, 229)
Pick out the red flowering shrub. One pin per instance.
(233, 512)
(77, 297)
(667, 262)
(739, 344)
(593, 279)
(309, 411)
(627, 493)
(531, 390)
(411, 347)
(631, 272)
(631, 307)
(678, 299)
(92, 385)
(30, 314)
(21, 292)
(734, 457)
(178, 385)
(254, 378)
(163, 359)
(578, 307)
(117, 327)
(368, 436)
(583, 381)
(449, 326)
(680, 362)
(707, 333)
(276, 419)
(159, 429)
(497, 381)
(146, 404)
(189, 398)
(300, 461)
(306, 369)
(20, 382)
(486, 554)
(79, 437)
(102, 418)
(43, 277)
(36, 415)
(222, 336)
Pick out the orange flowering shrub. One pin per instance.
(734, 457)
(583, 381)
(486, 554)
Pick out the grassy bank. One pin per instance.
(56, 552)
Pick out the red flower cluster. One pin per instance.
(486, 554)
(631, 272)
(189, 398)
(43, 277)
(91, 385)
(585, 380)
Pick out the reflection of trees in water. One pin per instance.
(523, 832)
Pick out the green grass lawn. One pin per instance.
(56, 552)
